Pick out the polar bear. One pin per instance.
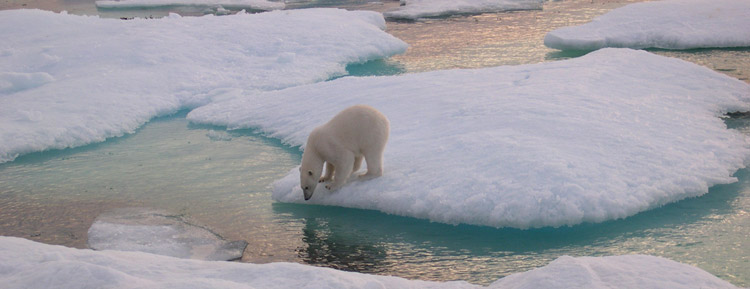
(356, 133)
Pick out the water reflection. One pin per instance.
(329, 246)
(413, 248)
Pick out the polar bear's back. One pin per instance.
(359, 128)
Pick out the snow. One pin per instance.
(415, 9)
(628, 271)
(158, 232)
(68, 80)
(669, 24)
(27, 264)
(232, 4)
(590, 139)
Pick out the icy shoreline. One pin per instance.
(27, 264)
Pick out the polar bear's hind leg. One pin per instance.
(374, 166)
(357, 163)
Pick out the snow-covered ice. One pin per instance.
(627, 271)
(27, 264)
(590, 139)
(68, 80)
(669, 24)
(415, 9)
(158, 232)
(262, 5)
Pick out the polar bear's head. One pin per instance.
(310, 171)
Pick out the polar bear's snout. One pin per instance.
(308, 192)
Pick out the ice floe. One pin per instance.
(670, 24)
(68, 80)
(158, 232)
(415, 9)
(590, 139)
(261, 5)
(27, 264)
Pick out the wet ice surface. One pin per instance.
(158, 232)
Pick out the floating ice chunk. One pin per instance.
(590, 139)
(216, 135)
(669, 24)
(27, 264)
(157, 232)
(72, 80)
(262, 5)
(414, 9)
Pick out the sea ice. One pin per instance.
(590, 139)
(669, 24)
(414, 9)
(262, 5)
(27, 264)
(157, 232)
(628, 271)
(68, 80)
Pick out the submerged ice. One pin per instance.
(28, 264)
(158, 232)
(591, 139)
(69, 80)
(669, 24)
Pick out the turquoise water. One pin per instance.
(222, 180)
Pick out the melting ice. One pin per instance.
(27, 264)
(158, 232)
(591, 139)
(671, 24)
(262, 5)
(70, 80)
(414, 9)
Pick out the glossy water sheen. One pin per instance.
(221, 179)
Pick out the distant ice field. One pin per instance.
(670, 24)
(591, 139)
(415, 9)
(68, 81)
(262, 5)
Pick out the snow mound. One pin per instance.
(69, 80)
(262, 5)
(670, 24)
(13, 82)
(590, 139)
(415, 9)
(27, 264)
(157, 232)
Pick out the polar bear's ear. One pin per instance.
(309, 173)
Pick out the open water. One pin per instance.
(222, 178)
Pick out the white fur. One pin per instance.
(356, 133)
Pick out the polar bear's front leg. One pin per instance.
(329, 173)
(344, 168)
